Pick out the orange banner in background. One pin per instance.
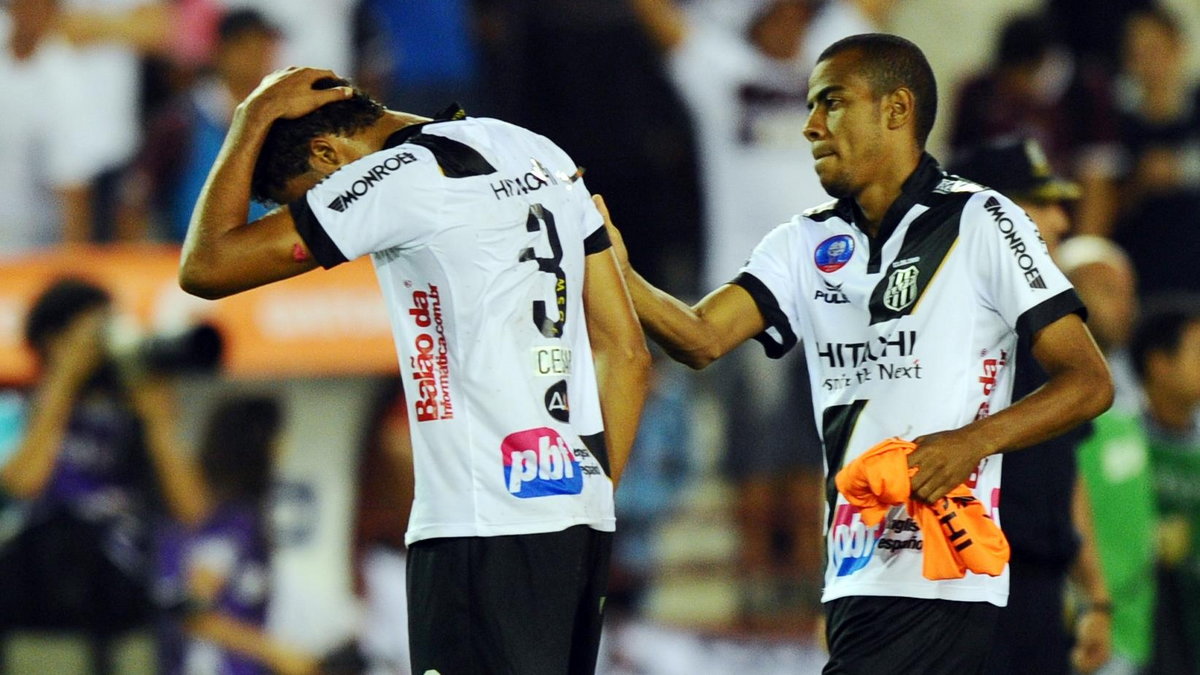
(320, 323)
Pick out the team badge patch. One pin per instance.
(833, 253)
(901, 289)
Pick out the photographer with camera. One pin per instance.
(93, 460)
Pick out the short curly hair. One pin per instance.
(284, 154)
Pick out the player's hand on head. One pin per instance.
(944, 460)
(614, 235)
(289, 93)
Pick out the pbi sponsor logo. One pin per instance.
(429, 366)
(1016, 245)
(833, 253)
(852, 544)
(832, 294)
(539, 463)
(368, 180)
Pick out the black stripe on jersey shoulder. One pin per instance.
(314, 235)
(837, 426)
(768, 306)
(1047, 312)
(457, 159)
(597, 241)
(838, 208)
(928, 240)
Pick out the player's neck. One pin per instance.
(391, 122)
(877, 197)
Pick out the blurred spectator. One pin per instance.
(1036, 88)
(52, 152)
(583, 74)
(1050, 537)
(214, 568)
(1091, 34)
(1159, 106)
(316, 34)
(1104, 277)
(1161, 131)
(83, 466)
(184, 139)
(1114, 462)
(424, 56)
(1166, 354)
(384, 502)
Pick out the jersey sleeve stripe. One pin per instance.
(778, 344)
(597, 241)
(315, 237)
(1048, 311)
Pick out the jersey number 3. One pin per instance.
(541, 219)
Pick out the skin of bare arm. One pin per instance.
(620, 354)
(1093, 627)
(222, 254)
(695, 336)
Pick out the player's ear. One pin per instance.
(323, 155)
(899, 106)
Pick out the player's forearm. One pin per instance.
(223, 204)
(623, 377)
(1069, 399)
(676, 326)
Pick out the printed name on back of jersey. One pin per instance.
(368, 180)
(551, 361)
(539, 463)
(430, 363)
(1016, 244)
(531, 181)
(833, 253)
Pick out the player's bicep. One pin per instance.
(731, 315)
(1066, 345)
(266, 250)
(612, 322)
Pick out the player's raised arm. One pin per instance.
(695, 336)
(222, 254)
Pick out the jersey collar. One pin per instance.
(920, 183)
(450, 113)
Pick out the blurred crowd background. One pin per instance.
(688, 118)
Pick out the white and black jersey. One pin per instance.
(478, 231)
(908, 333)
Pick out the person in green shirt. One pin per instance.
(1114, 462)
(1166, 356)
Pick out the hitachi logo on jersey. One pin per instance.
(430, 366)
(522, 185)
(843, 354)
(373, 175)
(539, 463)
(1016, 244)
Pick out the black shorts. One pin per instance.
(880, 635)
(521, 604)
